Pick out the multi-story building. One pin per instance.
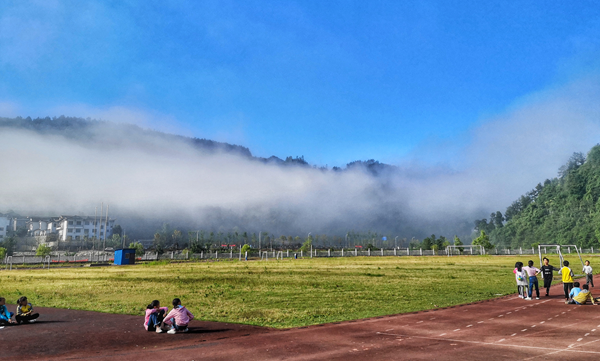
(78, 227)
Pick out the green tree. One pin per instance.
(2, 253)
(427, 242)
(245, 248)
(483, 240)
(139, 248)
(9, 244)
(43, 250)
(306, 246)
(458, 242)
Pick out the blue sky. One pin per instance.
(335, 81)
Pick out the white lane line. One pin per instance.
(458, 329)
(391, 329)
(579, 339)
(508, 313)
(469, 325)
(549, 318)
(542, 321)
(442, 334)
(514, 334)
(501, 340)
(480, 322)
(533, 326)
(524, 330)
(420, 322)
(593, 330)
(493, 318)
(495, 343)
(587, 334)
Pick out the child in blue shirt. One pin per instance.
(574, 292)
(5, 316)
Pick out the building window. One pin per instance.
(79, 223)
(87, 223)
(86, 231)
(70, 230)
(1, 236)
(1, 228)
(70, 223)
(78, 230)
(102, 233)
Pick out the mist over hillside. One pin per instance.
(69, 165)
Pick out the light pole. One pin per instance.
(308, 238)
(346, 239)
(396, 241)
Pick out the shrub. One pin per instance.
(245, 248)
(43, 250)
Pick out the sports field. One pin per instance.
(275, 293)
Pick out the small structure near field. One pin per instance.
(125, 256)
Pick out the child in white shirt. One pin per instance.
(589, 273)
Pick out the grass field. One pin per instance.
(275, 293)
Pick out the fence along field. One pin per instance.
(277, 293)
(29, 258)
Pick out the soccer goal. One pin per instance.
(450, 250)
(543, 249)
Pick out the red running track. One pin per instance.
(498, 329)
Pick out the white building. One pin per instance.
(78, 227)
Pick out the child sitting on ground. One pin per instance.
(178, 318)
(25, 311)
(582, 297)
(155, 316)
(574, 292)
(5, 316)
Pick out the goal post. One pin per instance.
(450, 249)
(558, 248)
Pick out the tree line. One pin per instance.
(561, 210)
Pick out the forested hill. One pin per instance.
(563, 210)
(87, 130)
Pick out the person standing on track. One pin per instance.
(521, 277)
(567, 278)
(589, 273)
(548, 274)
(532, 272)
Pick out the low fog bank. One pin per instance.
(152, 180)
(149, 179)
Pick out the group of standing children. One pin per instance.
(24, 313)
(527, 279)
(176, 320)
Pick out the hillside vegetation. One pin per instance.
(562, 210)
